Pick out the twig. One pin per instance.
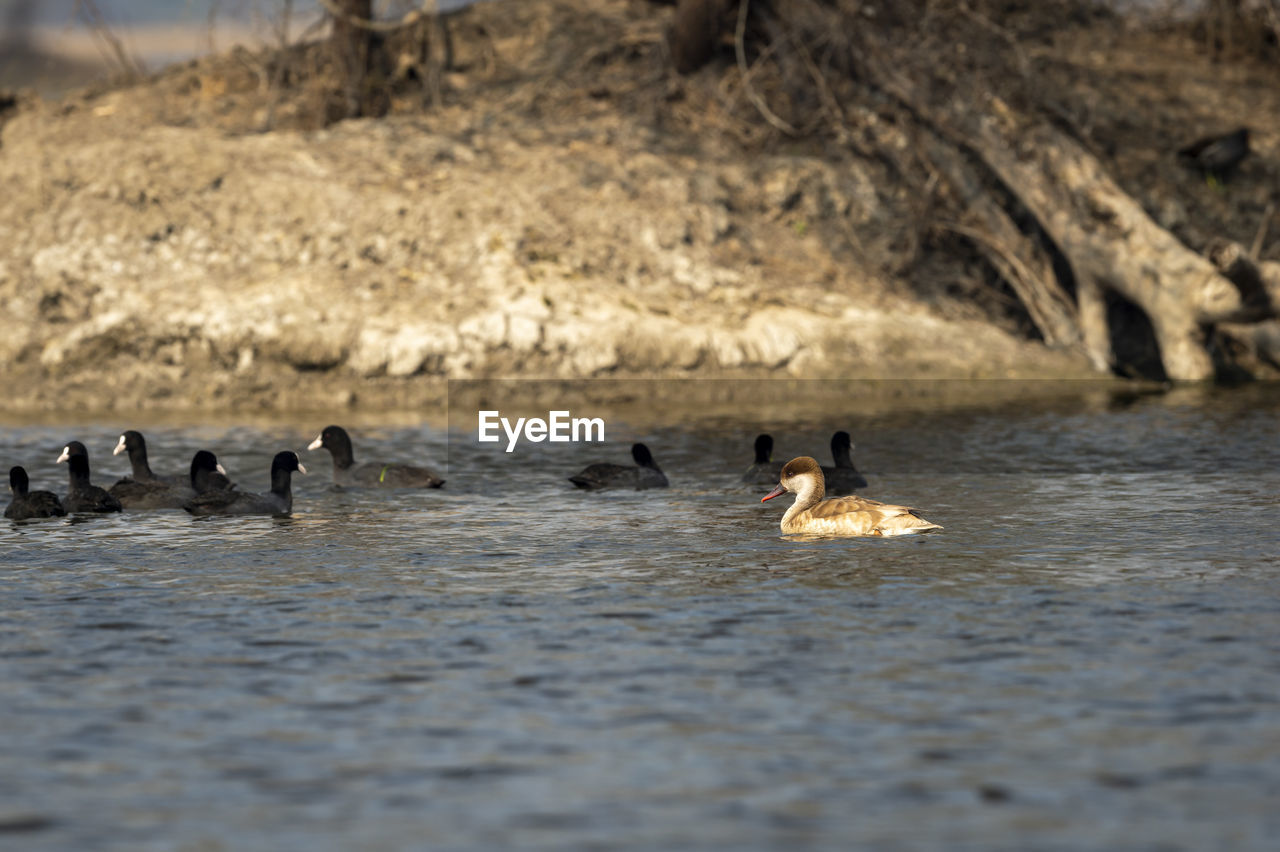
(739, 46)
(211, 25)
(992, 27)
(1015, 272)
(829, 102)
(426, 10)
(276, 86)
(129, 65)
(1255, 248)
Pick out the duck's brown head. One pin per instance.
(794, 474)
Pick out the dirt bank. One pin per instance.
(158, 250)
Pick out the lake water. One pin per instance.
(1087, 657)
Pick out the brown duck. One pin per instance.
(813, 515)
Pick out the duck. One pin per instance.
(644, 474)
(135, 445)
(348, 474)
(844, 477)
(838, 516)
(82, 495)
(764, 470)
(208, 475)
(277, 501)
(25, 504)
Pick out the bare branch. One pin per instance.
(426, 10)
(739, 46)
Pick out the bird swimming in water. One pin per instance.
(644, 474)
(83, 495)
(838, 516)
(28, 504)
(764, 470)
(844, 477)
(347, 473)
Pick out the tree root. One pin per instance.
(1108, 240)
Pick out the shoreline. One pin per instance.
(686, 401)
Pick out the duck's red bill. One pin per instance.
(774, 493)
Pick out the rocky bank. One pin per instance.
(155, 251)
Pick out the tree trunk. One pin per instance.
(350, 43)
(1259, 282)
(1109, 241)
(696, 29)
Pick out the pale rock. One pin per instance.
(523, 332)
(401, 351)
(774, 336)
(726, 348)
(525, 317)
(488, 328)
(581, 344)
(110, 324)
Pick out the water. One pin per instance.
(1087, 657)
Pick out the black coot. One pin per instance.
(348, 474)
(135, 445)
(207, 475)
(25, 504)
(1217, 156)
(277, 501)
(844, 477)
(143, 489)
(82, 495)
(763, 471)
(645, 473)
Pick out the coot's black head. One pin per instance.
(72, 450)
(77, 459)
(764, 449)
(205, 462)
(18, 482)
(338, 443)
(332, 438)
(286, 460)
(131, 442)
(841, 441)
(642, 456)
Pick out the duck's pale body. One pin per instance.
(810, 514)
